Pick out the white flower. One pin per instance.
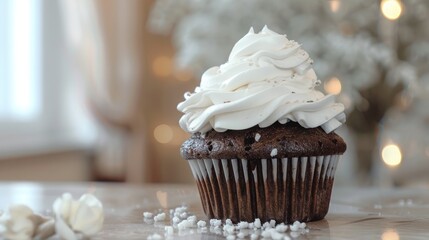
(19, 222)
(16, 223)
(84, 216)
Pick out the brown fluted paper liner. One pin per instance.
(286, 190)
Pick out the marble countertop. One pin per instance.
(355, 213)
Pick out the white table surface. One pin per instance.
(387, 214)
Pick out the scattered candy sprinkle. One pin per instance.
(159, 217)
(201, 224)
(187, 223)
(273, 152)
(147, 215)
(257, 137)
(169, 230)
(154, 236)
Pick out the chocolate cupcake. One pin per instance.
(262, 143)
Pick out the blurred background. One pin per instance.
(89, 88)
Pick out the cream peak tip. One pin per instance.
(265, 28)
(251, 30)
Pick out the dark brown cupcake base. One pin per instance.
(286, 190)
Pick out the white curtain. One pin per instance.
(106, 37)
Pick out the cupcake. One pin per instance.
(263, 142)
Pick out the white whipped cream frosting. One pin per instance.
(84, 216)
(267, 78)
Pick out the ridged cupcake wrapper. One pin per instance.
(286, 190)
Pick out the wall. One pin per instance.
(61, 166)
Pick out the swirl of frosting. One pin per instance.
(267, 78)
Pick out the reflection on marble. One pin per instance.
(19, 192)
(385, 214)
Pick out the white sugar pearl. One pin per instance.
(159, 217)
(286, 238)
(169, 230)
(276, 236)
(229, 228)
(184, 224)
(257, 223)
(154, 236)
(212, 221)
(257, 137)
(281, 228)
(266, 225)
(217, 223)
(295, 234)
(230, 237)
(147, 215)
(266, 234)
(243, 225)
(294, 228)
(183, 215)
(176, 220)
(181, 209)
(273, 152)
(241, 235)
(201, 224)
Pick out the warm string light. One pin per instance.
(169, 134)
(390, 234)
(162, 198)
(391, 9)
(334, 5)
(333, 86)
(163, 133)
(162, 66)
(391, 155)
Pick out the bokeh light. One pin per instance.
(390, 234)
(163, 133)
(391, 155)
(334, 5)
(179, 136)
(162, 66)
(333, 86)
(391, 9)
(162, 198)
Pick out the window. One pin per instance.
(41, 108)
(20, 84)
